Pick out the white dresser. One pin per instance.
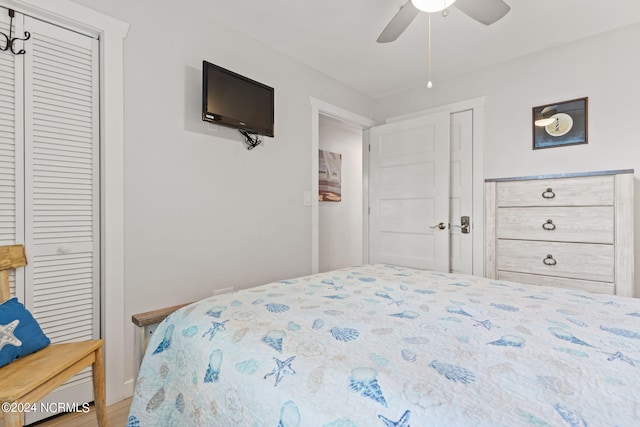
(570, 230)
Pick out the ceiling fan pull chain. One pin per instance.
(429, 84)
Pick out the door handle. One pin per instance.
(440, 226)
(465, 225)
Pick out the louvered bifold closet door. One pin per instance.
(11, 150)
(62, 187)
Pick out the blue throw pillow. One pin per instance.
(20, 334)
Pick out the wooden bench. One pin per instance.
(30, 378)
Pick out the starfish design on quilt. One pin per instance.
(385, 295)
(333, 285)
(215, 327)
(402, 422)
(281, 369)
(485, 324)
(619, 355)
(6, 335)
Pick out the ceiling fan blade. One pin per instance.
(399, 23)
(484, 11)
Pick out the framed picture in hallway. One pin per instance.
(330, 176)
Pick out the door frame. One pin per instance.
(111, 33)
(322, 107)
(476, 105)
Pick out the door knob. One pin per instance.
(440, 226)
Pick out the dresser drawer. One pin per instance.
(590, 224)
(559, 282)
(581, 191)
(570, 260)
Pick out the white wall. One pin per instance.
(605, 68)
(340, 223)
(202, 212)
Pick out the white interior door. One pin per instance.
(409, 192)
(62, 282)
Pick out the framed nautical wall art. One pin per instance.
(559, 124)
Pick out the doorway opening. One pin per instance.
(476, 195)
(340, 194)
(329, 113)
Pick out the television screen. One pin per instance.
(230, 99)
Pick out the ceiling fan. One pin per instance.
(484, 11)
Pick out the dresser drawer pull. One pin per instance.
(549, 194)
(549, 225)
(549, 260)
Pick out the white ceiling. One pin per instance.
(338, 37)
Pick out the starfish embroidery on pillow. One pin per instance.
(6, 335)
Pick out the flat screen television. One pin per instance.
(232, 100)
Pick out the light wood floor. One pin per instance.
(116, 416)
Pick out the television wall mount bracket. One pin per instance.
(251, 139)
(10, 40)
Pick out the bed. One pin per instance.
(381, 345)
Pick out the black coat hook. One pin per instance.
(10, 40)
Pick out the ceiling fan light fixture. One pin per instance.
(432, 5)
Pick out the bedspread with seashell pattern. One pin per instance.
(381, 345)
